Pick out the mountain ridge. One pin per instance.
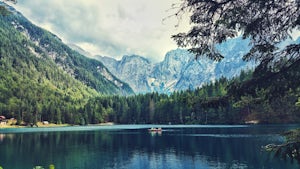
(89, 71)
(179, 69)
(42, 79)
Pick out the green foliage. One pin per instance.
(43, 79)
(40, 167)
(51, 166)
(208, 104)
(89, 71)
(288, 150)
(3, 10)
(298, 102)
(269, 96)
(32, 86)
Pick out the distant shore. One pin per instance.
(42, 125)
(3, 126)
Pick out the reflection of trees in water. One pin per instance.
(2, 136)
(115, 149)
(6, 136)
(60, 148)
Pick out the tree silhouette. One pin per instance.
(266, 23)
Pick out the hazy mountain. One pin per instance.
(80, 50)
(134, 69)
(179, 70)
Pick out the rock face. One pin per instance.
(135, 69)
(179, 70)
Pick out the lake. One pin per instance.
(134, 147)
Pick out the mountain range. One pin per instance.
(42, 78)
(179, 70)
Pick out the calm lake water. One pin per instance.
(133, 147)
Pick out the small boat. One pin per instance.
(155, 129)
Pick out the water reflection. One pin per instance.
(137, 148)
(2, 136)
(7, 136)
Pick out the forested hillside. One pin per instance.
(89, 71)
(43, 79)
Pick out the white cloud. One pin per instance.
(108, 27)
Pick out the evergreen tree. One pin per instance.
(266, 23)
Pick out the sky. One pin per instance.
(109, 27)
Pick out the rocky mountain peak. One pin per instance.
(180, 70)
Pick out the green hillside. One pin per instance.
(43, 79)
(89, 71)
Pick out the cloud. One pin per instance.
(108, 27)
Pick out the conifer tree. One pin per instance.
(265, 23)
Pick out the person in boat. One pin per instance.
(155, 129)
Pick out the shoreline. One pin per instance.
(50, 125)
(53, 125)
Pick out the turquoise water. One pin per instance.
(132, 146)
